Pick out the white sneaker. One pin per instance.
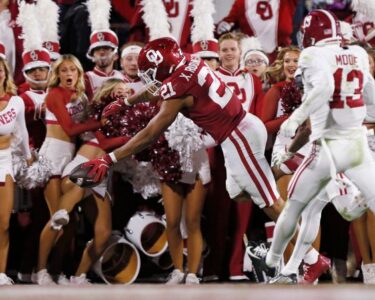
(175, 277)
(59, 219)
(191, 279)
(62, 280)
(79, 280)
(44, 278)
(5, 280)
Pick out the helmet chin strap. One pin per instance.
(29, 79)
(109, 56)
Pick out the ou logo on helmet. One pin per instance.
(154, 56)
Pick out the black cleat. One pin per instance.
(257, 253)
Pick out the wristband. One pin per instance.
(113, 157)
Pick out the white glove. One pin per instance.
(223, 27)
(280, 158)
(289, 128)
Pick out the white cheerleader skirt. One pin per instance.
(201, 169)
(58, 152)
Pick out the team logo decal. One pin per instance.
(204, 45)
(48, 46)
(100, 36)
(34, 55)
(154, 56)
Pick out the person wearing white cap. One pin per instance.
(103, 47)
(256, 62)
(129, 64)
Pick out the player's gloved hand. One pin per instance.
(115, 107)
(289, 128)
(99, 167)
(223, 27)
(281, 157)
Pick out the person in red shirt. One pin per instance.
(65, 119)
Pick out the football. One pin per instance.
(79, 177)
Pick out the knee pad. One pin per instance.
(351, 207)
(59, 219)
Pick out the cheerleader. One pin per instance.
(12, 121)
(65, 110)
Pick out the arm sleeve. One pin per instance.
(108, 144)
(269, 110)
(55, 103)
(22, 129)
(320, 82)
(256, 106)
(88, 88)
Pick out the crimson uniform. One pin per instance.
(242, 136)
(271, 21)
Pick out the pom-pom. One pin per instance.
(48, 15)
(133, 119)
(34, 176)
(156, 19)
(30, 27)
(184, 137)
(99, 14)
(290, 97)
(141, 176)
(203, 26)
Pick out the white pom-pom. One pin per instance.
(48, 15)
(27, 19)
(366, 7)
(99, 14)
(203, 26)
(184, 137)
(156, 19)
(34, 176)
(141, 176)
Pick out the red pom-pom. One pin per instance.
(290, 97)
(132, 120)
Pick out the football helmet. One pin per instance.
(157, 61)
(320, 27)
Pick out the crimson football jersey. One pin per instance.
(271, 21)
(216, 108)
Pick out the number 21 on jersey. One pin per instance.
(217, 90)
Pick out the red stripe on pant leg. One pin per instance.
(303, 167)
(299, 170)
(256, 164)
(248, 169)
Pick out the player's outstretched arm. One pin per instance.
(98, 167)
(167, 114)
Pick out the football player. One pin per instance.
(337, 84)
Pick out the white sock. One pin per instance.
(311, 257)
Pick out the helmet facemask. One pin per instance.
(149, 80)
